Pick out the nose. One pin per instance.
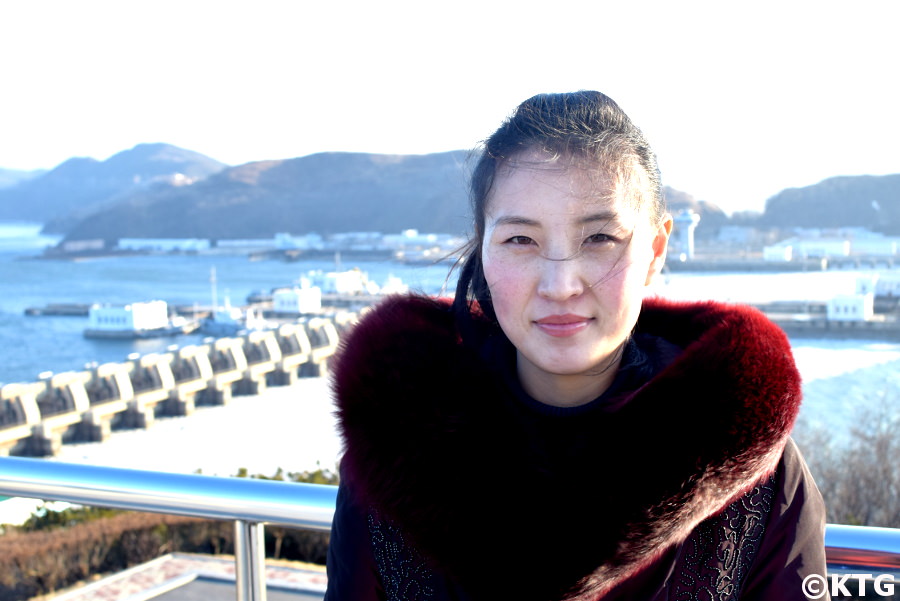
(560, 279)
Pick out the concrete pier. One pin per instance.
(192, 371)
(262, 352)
(323, 338)
(37, 418)
(228, 364)
(19, 416)
(296, 351)
(109, 391)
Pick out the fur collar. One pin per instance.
(435, 440)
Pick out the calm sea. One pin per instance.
(31, 345)
(840, 376)
(295, 428)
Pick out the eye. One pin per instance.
(519, 240)
(599, 239)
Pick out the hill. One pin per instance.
(324, 193)
(80, 186)
(711, 216)
(143, 193)
(871, 201)
(12, 177)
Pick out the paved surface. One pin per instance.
(188, 577)
(207, 589)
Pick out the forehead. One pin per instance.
(536, 182)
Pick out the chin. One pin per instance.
(575, 368)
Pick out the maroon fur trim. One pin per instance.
(435, 440)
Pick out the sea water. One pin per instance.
(31, 345)
(842, 378)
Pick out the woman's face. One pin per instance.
(567, 260)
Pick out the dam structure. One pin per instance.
(37, 418)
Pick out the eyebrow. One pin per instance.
(605, 216)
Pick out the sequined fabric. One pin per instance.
(404, 573)
(719, 553)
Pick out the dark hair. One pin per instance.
(586, 125)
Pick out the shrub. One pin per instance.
(857, 473)
(54, 549)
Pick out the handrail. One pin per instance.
(295, 505)
(863, 546)
(249, 503)
(253, 503)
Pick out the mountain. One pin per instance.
(12, 177)
(137, 194)
(711, 216)
(325, 193)
(871, 201)
(80, 186)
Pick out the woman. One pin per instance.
(551, 434)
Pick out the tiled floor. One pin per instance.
(168, 573)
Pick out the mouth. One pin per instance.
(561, 326)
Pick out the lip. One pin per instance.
(561, 326)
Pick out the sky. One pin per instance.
(739, 100)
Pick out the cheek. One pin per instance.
(507, 285)
(501, 282)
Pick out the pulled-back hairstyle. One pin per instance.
(586, 126)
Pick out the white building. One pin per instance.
(408, 238)
(245, 244)
(866, 284)
(888, 284)
(851, 307)
(778, 252)
(297, 300)
(164, 244)
(882, 285)
(875, 245)
(352, 281)
(807, 248)
(306, 242)
(358, 241)
(149, 315)
(822, 248)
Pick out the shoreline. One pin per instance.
(294, 424)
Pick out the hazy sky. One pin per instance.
(739, 102)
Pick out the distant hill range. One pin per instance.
(81, 186)
(13, 177)
(161, 191)
(325, 193)
(858, 201)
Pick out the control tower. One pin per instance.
(685, 223)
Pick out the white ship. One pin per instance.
(148, 319)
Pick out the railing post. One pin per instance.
(250, 561)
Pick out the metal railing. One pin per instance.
(251, 504)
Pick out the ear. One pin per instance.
(660, 246)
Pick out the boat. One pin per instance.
(148, 319)
(230, 321)
(259, 297)
(337, 288)
(351, 282)
(60, 309)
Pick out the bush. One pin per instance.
(42, 561)
(53, 550)
(858, 476)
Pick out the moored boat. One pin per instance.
(136, 320)
(231, 321)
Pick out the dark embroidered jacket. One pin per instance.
(667, 491)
